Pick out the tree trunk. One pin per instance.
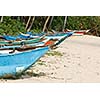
(64, 23)
(44, 28)
(52, 17)
(1, 19)
(27, 24)
(31, 24)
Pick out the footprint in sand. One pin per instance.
(97, 73)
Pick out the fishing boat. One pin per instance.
(59, 36)
(78, 32)
(17, 62)
(15, 46)
(50, 42)
(30, 41)
(43, 38)
(21, 36)
(14, 60)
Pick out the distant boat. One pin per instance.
(78, 32)
(43, 37)
(48, 42)
(60, 36)
(21, 36)
(17, 62)
(21, 42)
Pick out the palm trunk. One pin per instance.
(31, 24)
(1, 19)
(46, 23)
(28, 22)
(52, 17)
(64, 23)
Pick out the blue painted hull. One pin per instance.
(41, 34)
(60, 37)
(30, 35)
(56, 35)
(21, 36)
(10, 64)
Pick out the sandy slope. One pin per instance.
(80, 62)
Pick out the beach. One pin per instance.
(76, 60)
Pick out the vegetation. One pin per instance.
(12, 25)
(34, 74)
(40, 62)
(54, 53)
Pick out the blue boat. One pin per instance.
(21, 36)
(46, 42)
(60, 36)
(18, 46)
(30, 35)
(11, 64)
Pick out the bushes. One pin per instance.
(82, 22)
(11, 26)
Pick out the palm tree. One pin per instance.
(44, 28)
(31, 24)
(65, 20)
(51, 19)
(1, 19)
(27, 24)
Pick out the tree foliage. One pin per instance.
(12, 25)
(83, 22)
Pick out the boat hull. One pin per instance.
(11, 64)
(20, 42)
(60, 36)
(78, 32)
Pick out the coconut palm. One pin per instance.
(65, 20)
(44, 28)
(31, 24)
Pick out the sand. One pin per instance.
(76, 60)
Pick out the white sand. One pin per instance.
(80, 63)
